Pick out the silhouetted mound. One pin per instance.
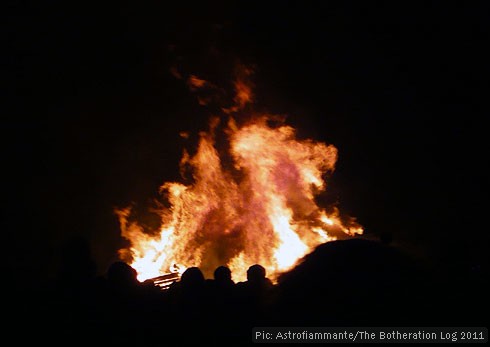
(354, 281)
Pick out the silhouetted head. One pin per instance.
(192, 277)
(121, 274)
(256, 273)
(222, 274)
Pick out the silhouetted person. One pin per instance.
(122, 281)
(188, 299)
(192, 278)
(256, 277)
(121, 274)
(189, 291)
(221, 308)
(220, 291)
(222, 277)
(254, 295)
(123, 303)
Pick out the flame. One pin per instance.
(243, 93)
(195, 82)
(255, 205)
(243, 89)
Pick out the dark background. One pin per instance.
(91, 113)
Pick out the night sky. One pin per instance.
(91, 113)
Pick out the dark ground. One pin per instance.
(349, 283)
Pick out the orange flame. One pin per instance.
(195, 82)
(261, 209)
(243, 89)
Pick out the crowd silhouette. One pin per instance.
(342, 283)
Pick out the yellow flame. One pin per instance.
(260, 209)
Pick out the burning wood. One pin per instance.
(165, 281)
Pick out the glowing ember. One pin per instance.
(261, 209)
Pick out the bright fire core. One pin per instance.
(261, 209)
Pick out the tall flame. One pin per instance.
(260, 209)
(253, 204)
